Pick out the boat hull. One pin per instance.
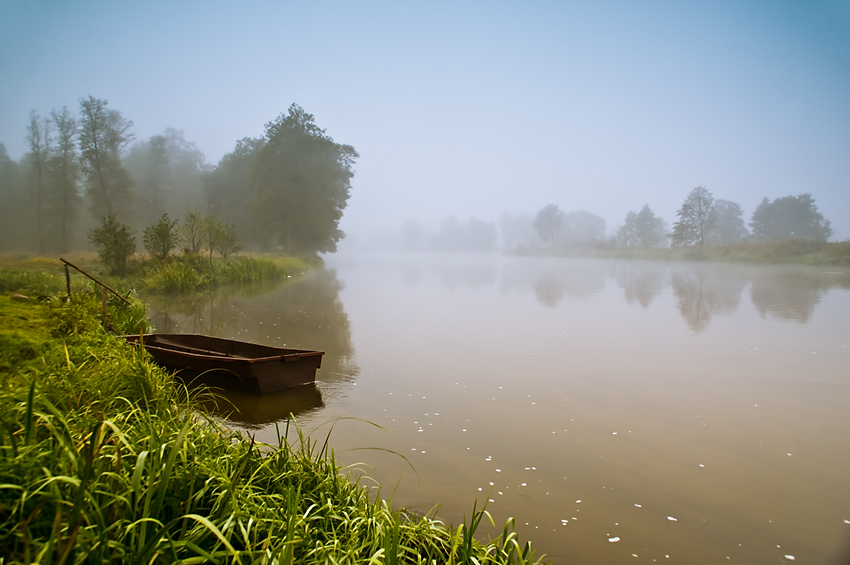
(230, 363)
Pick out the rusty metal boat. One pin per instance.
(229, 363)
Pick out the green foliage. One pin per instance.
(300, 181)
(114, 242)
(104, 460)
(161, 238)
(104, 133)
(191, 232)
(226, 240)
(696, 218)
(790, 217)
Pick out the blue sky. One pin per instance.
(473, 108)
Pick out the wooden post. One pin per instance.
(68, 281)
(95, 280)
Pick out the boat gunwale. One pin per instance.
(159, 345)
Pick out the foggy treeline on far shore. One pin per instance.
(282, 192)
(287, 190)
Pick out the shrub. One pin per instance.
(161, 238)
(114, 242)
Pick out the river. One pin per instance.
(620, 411)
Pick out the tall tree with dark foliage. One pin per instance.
(300, 182)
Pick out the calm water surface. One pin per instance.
(622, 412)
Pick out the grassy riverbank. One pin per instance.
(806, 252)
(104, 459)
(180, 274)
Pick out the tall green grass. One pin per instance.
(104, 459)
(187, 273)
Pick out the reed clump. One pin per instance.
(103, 458)
(188, 273)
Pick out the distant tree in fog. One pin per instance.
(39, 143)
(642, 229)
(299, 185)
(547, 222)
(104, 134)
(414, 236)
(64, 177)
(152, 182)
(226, 186)
(473, 235)
(696, 218)
(517, 230)
(13, 224)
(728, 224)
(581, 228)
(168, 172)
(627, 233)
(789, 217)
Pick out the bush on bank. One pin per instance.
(104, 459)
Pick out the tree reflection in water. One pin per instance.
(306, 314)
(554, 279)
(702, 292)
(641, 282)
(792, 293)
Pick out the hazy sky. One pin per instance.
(473, 108)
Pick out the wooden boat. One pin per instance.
(230, 363)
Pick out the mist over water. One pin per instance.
(615, 409)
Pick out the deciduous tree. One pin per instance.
(300, 182)
(104, 134)
(227, 241)
(649, 228)
(64, 176)
(789, 217)
(12, 222)
(696, 218)
(192, 232)
(643, 229)
(582, 227)
(39, 141)
(728, 223)
(547, 222)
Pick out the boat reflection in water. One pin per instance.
(253, 411)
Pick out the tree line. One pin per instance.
(702, 220)
(284, 191)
